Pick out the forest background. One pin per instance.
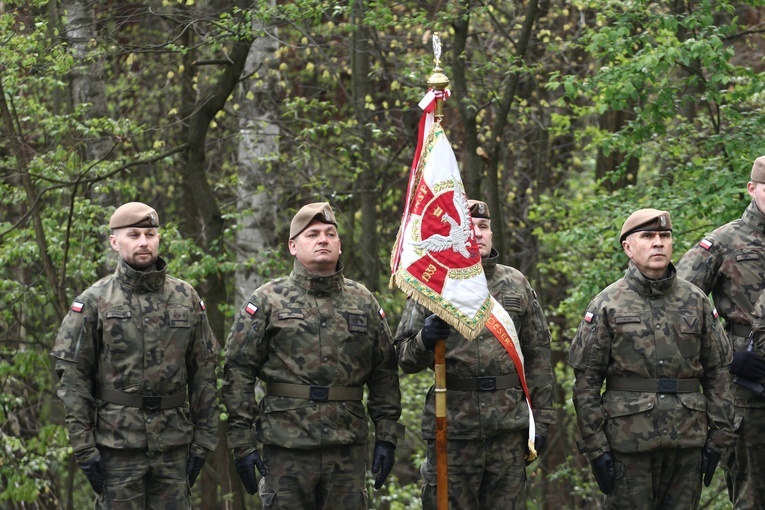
(227, 116)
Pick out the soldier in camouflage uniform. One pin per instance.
(729, 263)
(666, 414)
(487, 414)
(136, 361)
(315, 338)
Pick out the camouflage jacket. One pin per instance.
(650, 329)
(310, 330)
(729, 263)
(758, 326)
(474, 414)
(142, 333)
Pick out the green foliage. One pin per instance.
(690, 80)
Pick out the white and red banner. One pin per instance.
(435, 259)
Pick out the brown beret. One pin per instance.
(317, 211)
(134, 214)
(646, 219)
(478, 209)
(758, 170)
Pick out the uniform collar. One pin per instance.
(647, 287)
(490, 263)
(150, 280)
(316, 284)
(754, 217)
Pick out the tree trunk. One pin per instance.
(472, 167)
(612, 121)
(498, 141)
(87, 82)
(258, 147)
(366, 184)
(205, 222)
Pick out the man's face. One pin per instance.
(137, 246)
(482, 232)
(650, 251)
(317, 248)
(756, 190)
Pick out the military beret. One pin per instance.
(134, 214)
(646, 219)
(317, 211)
(758, 170)
(478, 209)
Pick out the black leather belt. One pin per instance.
(313, 392)
(653, 385)
(148, 402)
(485, 383)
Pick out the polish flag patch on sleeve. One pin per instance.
(77, 307)
(382, 314)
(706, 244)
(202, 304)
(715, 314)
(588, 317)
(250, 309)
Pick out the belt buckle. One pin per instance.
(318, 393)
(151, 402)
(666, 386)
(487, 383)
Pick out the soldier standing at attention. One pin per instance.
(315, 338)
(666, 414)
(136, 360)
(729, 263)
(487, 414)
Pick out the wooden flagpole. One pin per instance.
(438, 82)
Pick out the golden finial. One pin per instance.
(438, 80)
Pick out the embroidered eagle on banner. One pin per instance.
(459, 232)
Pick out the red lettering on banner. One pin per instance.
(504, 338)
(429, 273)
(423, 196)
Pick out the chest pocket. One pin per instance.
(511, 302)
(117, 328)
(688, 339)
(179, 318)
(291, 322)
(633, 339)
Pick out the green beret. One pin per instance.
(646, 219)
(134, 214)
(317, 211)
(758, 170)
(478, 209)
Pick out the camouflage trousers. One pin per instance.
(321, 479)
(136, 480)
(482, 474)
(744, 464)
(661, 479)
